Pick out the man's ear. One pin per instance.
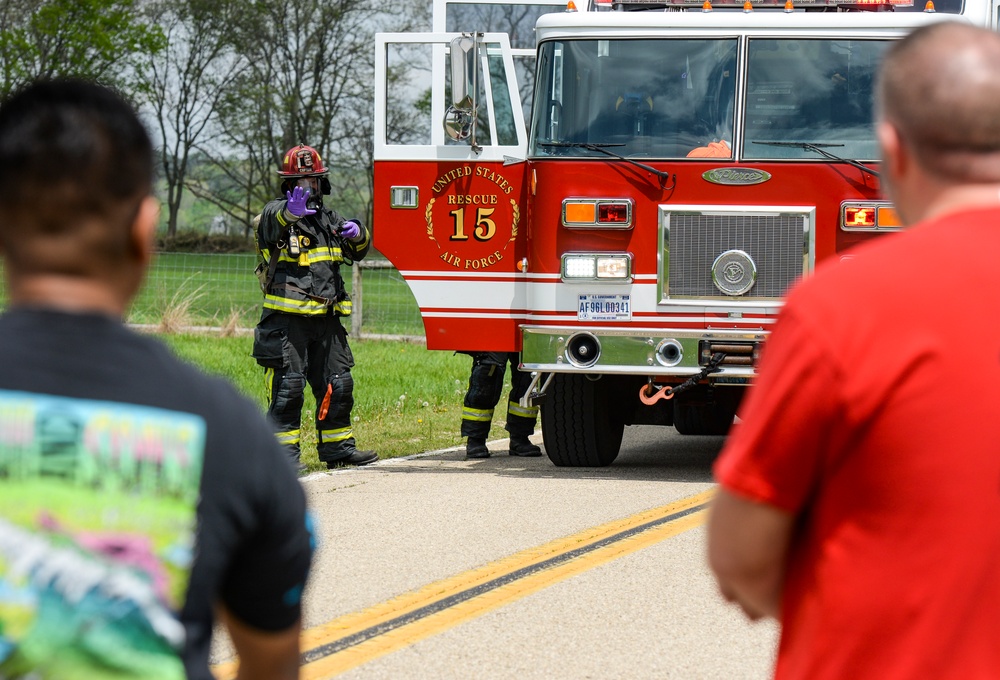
(895, 156)
(143, 234)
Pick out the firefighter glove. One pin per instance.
(296, 205)
(350, 229)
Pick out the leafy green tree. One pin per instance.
(96, 39)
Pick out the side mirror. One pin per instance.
(460, 117)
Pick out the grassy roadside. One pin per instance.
(406, 399)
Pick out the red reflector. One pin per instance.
(859, 217)
(612, 213)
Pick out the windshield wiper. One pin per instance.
(818, 148)
(664, 177)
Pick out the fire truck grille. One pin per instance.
(741, 253)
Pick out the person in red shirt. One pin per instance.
(860, 494)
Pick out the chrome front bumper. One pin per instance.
(639, 351)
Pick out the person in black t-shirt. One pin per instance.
(137, 495)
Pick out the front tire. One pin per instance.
(580, 425)
(700, 413)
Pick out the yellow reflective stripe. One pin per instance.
(344, 307)
(283, 304)
(479, 414)
(516, 409)
(290, 437)
(338, 435)
(315, 255)
(268, 382)
(364, 242)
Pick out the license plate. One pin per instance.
(602, 307)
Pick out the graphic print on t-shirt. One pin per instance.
(97, 528)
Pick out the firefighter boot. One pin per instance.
(522, 446)
(356, 457)
(476, 448)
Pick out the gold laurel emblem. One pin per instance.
(515, 218)
(430, 222)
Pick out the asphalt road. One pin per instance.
(437, 567)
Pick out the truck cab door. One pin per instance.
(449, 213)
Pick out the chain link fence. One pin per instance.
(195, 290)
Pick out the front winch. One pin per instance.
(650, 393)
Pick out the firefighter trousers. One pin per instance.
(485, 388)
(296, 351)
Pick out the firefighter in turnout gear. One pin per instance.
(485, 386)
(300, 339)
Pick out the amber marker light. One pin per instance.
(886, 216)
(570, 6)
(580, 213)
(929, 7)
(707, 7)
(789, 7)
(747, 7)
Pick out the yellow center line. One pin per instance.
(324, 664)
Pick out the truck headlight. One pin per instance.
(610, 267)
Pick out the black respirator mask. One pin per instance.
(317, 186)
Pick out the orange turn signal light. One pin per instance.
(888, 217)
(581, 213)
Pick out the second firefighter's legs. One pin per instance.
(485, 386)
(520, 419)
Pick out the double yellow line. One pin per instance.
(355, 639)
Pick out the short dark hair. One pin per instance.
(939, 86)
(71, 151)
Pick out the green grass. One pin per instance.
(407, 399)
(217, 287)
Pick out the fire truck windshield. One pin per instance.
(672, 98)
(811, 91)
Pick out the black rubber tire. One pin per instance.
(580, 426)
(701, 418)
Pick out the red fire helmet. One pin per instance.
(302, 161)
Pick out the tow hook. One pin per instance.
(650, 393)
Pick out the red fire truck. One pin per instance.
(686, 162)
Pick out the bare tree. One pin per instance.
(186, 83)
(308, 79)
